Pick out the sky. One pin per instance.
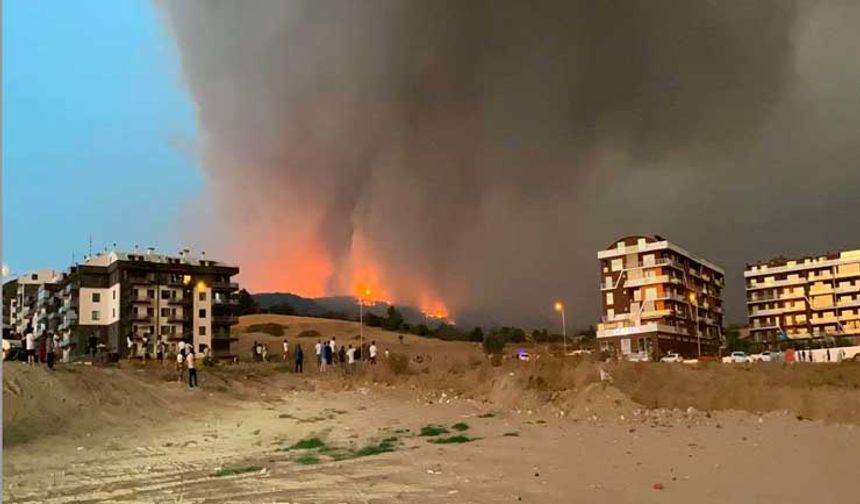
(95, 120)
(435, 152)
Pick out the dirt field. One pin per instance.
(540, 432)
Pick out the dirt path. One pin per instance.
(728, 457)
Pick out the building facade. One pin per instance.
(146, 296)
(27, 300)
(657, 298)
(803, 298)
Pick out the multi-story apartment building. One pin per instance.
(115, 295)
(26, 301)
(657, 297)
(807, 297)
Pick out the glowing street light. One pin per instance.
(559, 307)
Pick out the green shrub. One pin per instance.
(494, 344)
(460, 426)
(307, 459)
(232, 471)
(309, 333)
(451, 440)
(308, 444)
(433, 430)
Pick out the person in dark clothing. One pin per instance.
(300, 358)
(92, 346)
(49, 343)
(328, 354)
(341, 356)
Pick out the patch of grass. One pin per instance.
(460, 426)
(308, 444)
(307, 459)
(487, 415)
(233, 471)
(433, 430)
(512, 434)
(270, 328)
(309, 333)
(451, 440)
(401, 431)
(385, 446)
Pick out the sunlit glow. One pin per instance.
(558, 306)
(186, 279)
(201, 286)
(692, 297)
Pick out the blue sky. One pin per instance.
(93, 110)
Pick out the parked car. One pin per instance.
(768, 356)
(672, 357)
(739, 358)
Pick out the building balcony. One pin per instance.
(775, 283)
(850, 303)
(140, 316)
(225, 286)
(651, 327)
(142, 299)
(225, 319)
(824, 320)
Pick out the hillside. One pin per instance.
(345, 306)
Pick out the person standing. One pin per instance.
(318, 349)
(130, 344)
(180, 360)
(30, 347)
(145, 350)
(350, 359)
(325, 352)
(93, 345)
(265, 352)
(300, 358)
(372, 351)
(49, 348)
(341, 358)
(286, 350)
(192, 370)
(159, 351)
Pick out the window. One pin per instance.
(617, 264)
(165, 294)
(609, 298)
(150, 312)
(201, 313)
(610, 314)
(113, 312)
(97, 297)
(95, 315)
(150, 294)
(113, 292)
(165, 312)
(651, 293)
(165, 329)
(202, 330)
(202, 296)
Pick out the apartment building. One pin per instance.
(806, 297)
(26, 301)
(657, 297)
(143, 295)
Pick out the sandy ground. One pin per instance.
(134, 435)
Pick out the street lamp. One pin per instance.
(361, 323)
(559, 307)
(698, 333)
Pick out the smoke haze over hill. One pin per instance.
(473, 156)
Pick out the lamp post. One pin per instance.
(559, 307)
(361, 323)
(694, 304)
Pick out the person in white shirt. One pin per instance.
(350, 358)
(30, 345)
(372, 351)
(318, 349)
(286, 349)
(130, 343)
(192, 370)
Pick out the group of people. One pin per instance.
(328, 354)
(46, 349)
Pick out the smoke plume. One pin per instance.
(474, 155)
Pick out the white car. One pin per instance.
(672, 357)
(739, 358)
(768, 356)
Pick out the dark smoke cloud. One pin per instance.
(486, 150)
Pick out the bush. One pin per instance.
(270, 328)
(309, 333)
(494, 344)
(398, 364)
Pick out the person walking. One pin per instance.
(300, 359)
(372, 351)
(286, 350)
(192, 370)
(265, 353)
(30, 347)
